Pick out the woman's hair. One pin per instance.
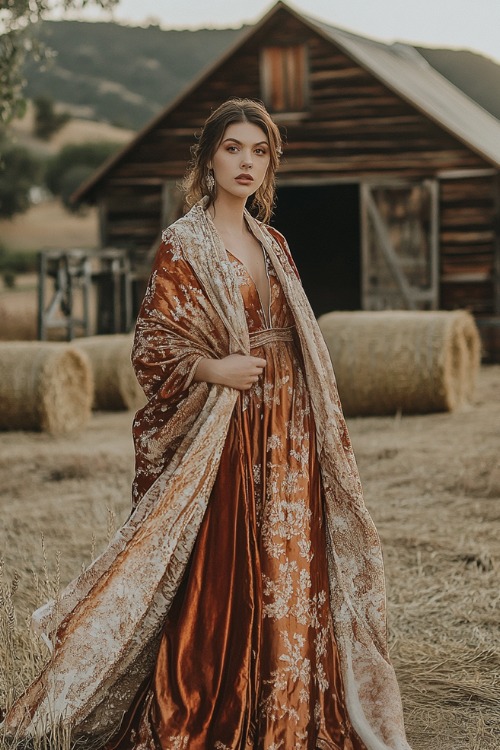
(233, 110)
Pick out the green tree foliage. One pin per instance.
(15, 262)
(47, 120)
(70, 181)
(18, 42)
(73, 164)
(20, 170)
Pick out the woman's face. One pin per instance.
(241, 160)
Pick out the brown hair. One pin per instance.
(233, 110)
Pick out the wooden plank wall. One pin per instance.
(132, 214)
(356, 128)
(467, 241)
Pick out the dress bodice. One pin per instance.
(280, 315)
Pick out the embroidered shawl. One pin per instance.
(105, 627)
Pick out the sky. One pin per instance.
(469, 24)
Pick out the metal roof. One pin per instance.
(404, 70)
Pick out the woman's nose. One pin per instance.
(246, 160)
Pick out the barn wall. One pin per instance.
(356, 128)
(467, 241)
(355, 125)
(130, 215)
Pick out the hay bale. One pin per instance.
(44, 386)
(413, 361)
(18, 322)
(115, 384)
(466, 327)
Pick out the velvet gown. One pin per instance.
(247, 657)
(206, 622)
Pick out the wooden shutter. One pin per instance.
(284, 78)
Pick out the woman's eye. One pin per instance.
(232, 149)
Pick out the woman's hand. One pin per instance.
(238, 371)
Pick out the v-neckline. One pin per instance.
(267, 318)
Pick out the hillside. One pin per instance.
(124, 75)
(76, 130)
(476, 75)
(121, 74)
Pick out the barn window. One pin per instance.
(284, 78)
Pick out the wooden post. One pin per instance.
(496, 250)
(103, 220)
(87, 283)
(42, 277)
(433, 186)
(70, 320)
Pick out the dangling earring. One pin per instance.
(210, 181)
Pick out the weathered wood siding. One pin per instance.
(355, 128)
(467, 243)
(131, 215)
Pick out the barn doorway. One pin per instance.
(322, 226)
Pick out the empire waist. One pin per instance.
(270, 335)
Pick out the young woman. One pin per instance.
(242, 604)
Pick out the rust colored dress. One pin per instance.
(206, 623)
(247, 657)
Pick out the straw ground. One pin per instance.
(432, 483)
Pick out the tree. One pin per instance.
(47, 120)
(73, 164)
(20, 171)
(18, 41)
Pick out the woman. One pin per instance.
(242, 604)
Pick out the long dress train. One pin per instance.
(247, 657)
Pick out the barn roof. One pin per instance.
(399, 66)
(404, 70)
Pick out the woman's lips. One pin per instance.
(244, 179)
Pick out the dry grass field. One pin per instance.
(19, 310)
(48, 226)
(432, 483)
(76, 130)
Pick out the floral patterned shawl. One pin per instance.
(107, 622)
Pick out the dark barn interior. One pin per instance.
(322, 227)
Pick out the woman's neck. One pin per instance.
(227, 216)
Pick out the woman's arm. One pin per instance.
(176, 327)
(236, 371)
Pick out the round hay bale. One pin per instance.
(402, 360)
(44, 386)
(115, 385)
(19, 320)
(465, 326)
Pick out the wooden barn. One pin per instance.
(389, 189)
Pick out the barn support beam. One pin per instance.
(103, 220)
(496, 264)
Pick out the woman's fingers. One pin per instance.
(251, 365)
(258, 365)
(239, 371)
(259, 361)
